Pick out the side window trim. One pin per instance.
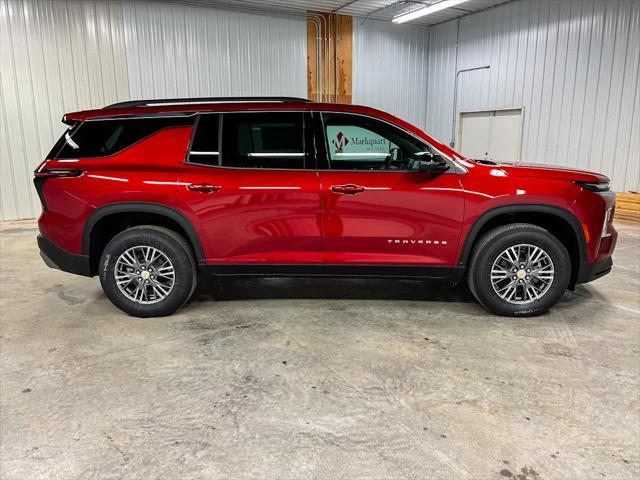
(220, 130)
(203, 152)
(312, 154)
(320, 140)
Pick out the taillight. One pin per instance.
(57, 173)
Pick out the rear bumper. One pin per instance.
(56, 257)
(593, 271)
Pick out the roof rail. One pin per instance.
(197, 101)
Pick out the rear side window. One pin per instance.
(263, 140)
(204, 147)
(101, 138)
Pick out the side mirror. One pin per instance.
(434, 166)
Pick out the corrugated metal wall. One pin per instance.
(390, 67)
(58, 56)
(442, 73)
(55, 57)
(177, 50)
(572, 66)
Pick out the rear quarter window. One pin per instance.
(102, 138)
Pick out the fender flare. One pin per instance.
(143, 207)
(561, 213)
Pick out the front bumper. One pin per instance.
(56, 257)
(593, 271)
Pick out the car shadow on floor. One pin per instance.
(229, 289)
(238, 289)
(586, 294)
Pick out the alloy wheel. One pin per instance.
(144, 274)
(522, 274)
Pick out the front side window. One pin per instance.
(101, 138)
(263, 140)
(356, 142)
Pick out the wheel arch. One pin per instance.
(560, 222)
(120, 211)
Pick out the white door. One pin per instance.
(491, 135)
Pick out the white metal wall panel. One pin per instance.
(441, 79)
(55, 57)
(390, 67)
(59, 56)
(189, 51)
(572, 65)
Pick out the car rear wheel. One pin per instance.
(519, 270)
(148, 271)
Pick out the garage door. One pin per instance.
(491, 135)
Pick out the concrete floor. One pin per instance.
(316, 379)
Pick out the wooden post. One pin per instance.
(344, 56)
(335, 66)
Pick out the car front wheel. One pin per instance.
(148, 271)
(519, 270)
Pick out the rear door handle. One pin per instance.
(204, 187)
(349, 189)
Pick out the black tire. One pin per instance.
(496, 241)
(173, 246)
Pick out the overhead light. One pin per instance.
(421, 12)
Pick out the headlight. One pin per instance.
(595, 187)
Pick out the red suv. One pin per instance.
(150, 194)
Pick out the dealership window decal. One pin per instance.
(356, 143)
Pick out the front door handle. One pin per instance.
(204, 187)
(349, 189)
